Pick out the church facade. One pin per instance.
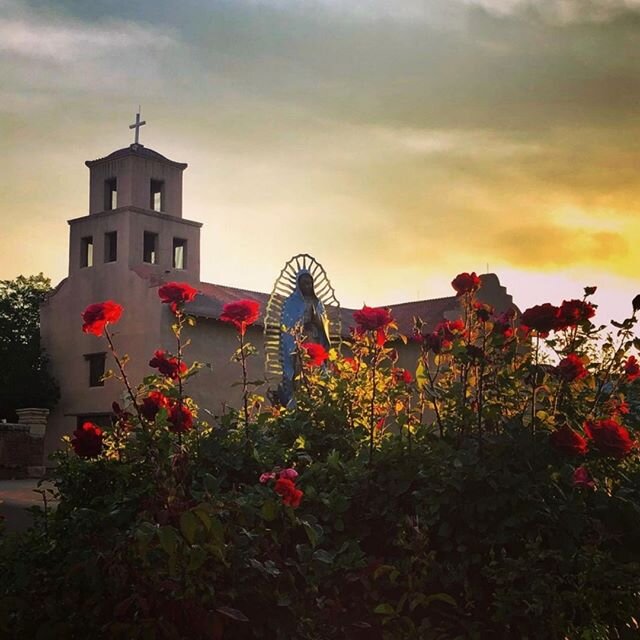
(133, 239)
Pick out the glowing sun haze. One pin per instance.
(398, 142)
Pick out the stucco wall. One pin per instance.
(138, 333)
(213, 343)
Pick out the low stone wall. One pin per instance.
(22, 445)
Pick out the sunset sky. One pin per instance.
(398, 141)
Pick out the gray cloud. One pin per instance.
(428, 132)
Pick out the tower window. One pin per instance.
(150, 249)
(96, 368)
(111, 246)
(86, 251)
(110, 194)
(179, 253)
(157, 195)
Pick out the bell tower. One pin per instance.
(135, 217)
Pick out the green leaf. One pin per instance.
(441, 597)
(217, 530)
(234, 614)
(385, 609)
(201, 512)
(269, 510)
(197, 557)
(323, 556)
(189, 525)
(168, 537)
(421, 378)
(314, 532)
(382, 570)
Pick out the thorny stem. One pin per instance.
(125, 379)
(557, 401)
(373, 400)
(178, 330)
(624, 336)
(436, 409)
(245, 399)
(43, 494)
(481, 383)
(463, 399)
(534, 380)
(464, 373)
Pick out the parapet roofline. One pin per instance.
(140, 151)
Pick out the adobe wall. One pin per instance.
(137, 334)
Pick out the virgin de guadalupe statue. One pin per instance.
(303, 307)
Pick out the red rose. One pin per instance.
(449, 330)
(466, 283)
(180, 418)
(291, 496)
(97, 316)
(621, 407)
(582, 479)
(402, 375)
(241, 314)
(316, 354)
(152, 404)
(167, 366)
(352, 363)
(571, 368)
(503, 324)
(569, 442)
(443, 335)
(632, 368)
(373, 319)
(609, 437)
(542, 318)
(483, 311)
(87, 440)
(504, 329)
(175, 294)
(574, 312)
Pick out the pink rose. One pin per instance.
(289, 474)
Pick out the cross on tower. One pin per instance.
(137, 126)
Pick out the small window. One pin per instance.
(96, 368)
(150, 250)
(157, 195)
(86, 251)
(111, 246)
(110, 194)
(179, 253)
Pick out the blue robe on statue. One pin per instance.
(310, 313)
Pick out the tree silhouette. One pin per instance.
(24, 377)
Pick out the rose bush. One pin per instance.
(491, 490)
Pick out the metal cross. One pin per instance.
(137, 126)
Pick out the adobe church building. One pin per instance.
(133, 240)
